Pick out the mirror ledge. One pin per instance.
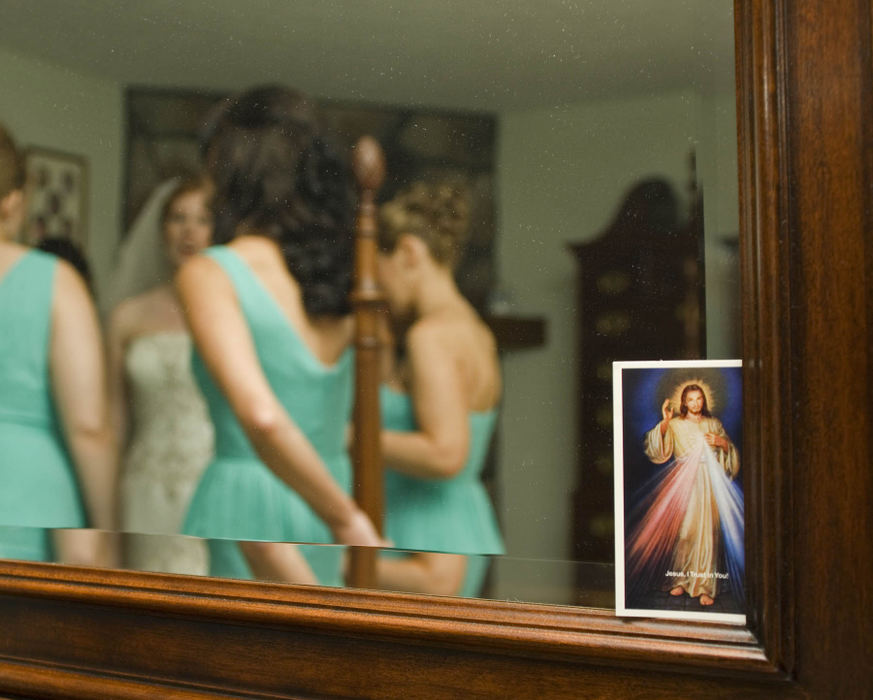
(537, 629)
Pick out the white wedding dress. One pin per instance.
(171, 443)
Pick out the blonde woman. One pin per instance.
(439, 415)
(159, 413)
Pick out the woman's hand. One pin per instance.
(359, 530)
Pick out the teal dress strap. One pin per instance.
(257, 303)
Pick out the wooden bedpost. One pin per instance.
(369, 167)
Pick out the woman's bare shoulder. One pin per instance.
(256, 249)
(486, 335)
(196, 271)
(431, 330)
(133, 310)
(11, 249)
(71, 295)
(68, 280)
(9, 254)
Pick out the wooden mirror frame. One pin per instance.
(806, 159)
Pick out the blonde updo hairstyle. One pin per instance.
(438, 214)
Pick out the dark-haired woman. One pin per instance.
(57, 452)
(268, 310)
(437, 424)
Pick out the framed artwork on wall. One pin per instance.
(57, 196)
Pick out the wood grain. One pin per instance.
(830, 142)
(767, 349)
(368, 164)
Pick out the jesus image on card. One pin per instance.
(679, 497)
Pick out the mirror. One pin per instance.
(556, 114)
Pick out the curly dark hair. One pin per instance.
(66, 249)
(275, 171)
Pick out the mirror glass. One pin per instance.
(597, 140)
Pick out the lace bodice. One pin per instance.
(171, 433)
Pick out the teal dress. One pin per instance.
(442, 515)
(240, 498)
(38, 487)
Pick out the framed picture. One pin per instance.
(57, 196)
(679, 502)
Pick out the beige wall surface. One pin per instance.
(53, 107)
(562, 174)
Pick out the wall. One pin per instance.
(54, 107)
(717, 169)
(562, 173)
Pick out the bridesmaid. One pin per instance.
(437, 424)
(57, 450)
(159, 414)
(269, 313)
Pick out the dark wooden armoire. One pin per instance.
(640, 296)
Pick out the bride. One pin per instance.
(158, 412)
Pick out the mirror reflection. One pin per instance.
(575, 167)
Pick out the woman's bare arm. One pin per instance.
(223, 339)
(279, 561)
(78, 375)
(424, 572)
